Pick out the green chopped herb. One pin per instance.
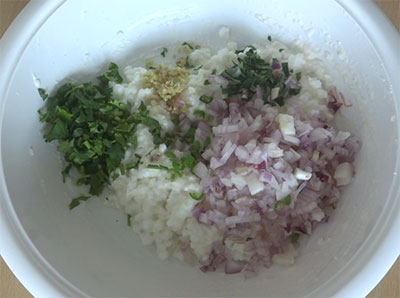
(269, 38)
(171, 155)
(285, 68)
(92, 130)
(134, 165)
(285, 202)
(294, 237)
(251, 72)
(195, 196)
(196, 149)
(207, 142)
(206, 98)
(111, 75)
(281, 50)
(189, 162)
(206, 82)
(122, 169)
(77, 201)
(158, 167)
(164, 51)
(142, 116)
(185, 43)
(214, 71)
(249, 238)
(43, 93)
(200, 113)
(178, 165)
(189, 136)
(129, 220)
(175, 119)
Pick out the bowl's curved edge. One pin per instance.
(384, 248)
(17, 250)
(25, 261)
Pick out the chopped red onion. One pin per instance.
(266, 177)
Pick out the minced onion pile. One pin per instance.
(267, 176)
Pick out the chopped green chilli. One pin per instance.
(196, 197)
(294, 237)
(206, 98)
(285, 202)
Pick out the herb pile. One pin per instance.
(93, 130)
(251, 72)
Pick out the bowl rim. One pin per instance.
(41, 279)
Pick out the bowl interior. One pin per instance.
(92, 246)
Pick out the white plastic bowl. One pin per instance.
(90, 251)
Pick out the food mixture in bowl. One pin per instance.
(221, 159)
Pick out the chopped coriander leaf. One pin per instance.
(294, 237)
(142, 116)
(77, 201)
(195, 196)
(111, 75)
(206, 98)
(206, 82)
(281, 50)
(249, 238)
(129, 220)
(269, 38)
(285, 202)
(43, 93)
(214, 71)
(164, 51)
(93, 130)
(65, 172)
